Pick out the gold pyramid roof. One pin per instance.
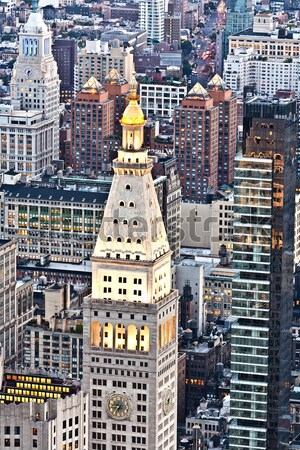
(114, 77)
(198, 91)
(92, 85)
(217, 83)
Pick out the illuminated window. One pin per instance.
(132, 337)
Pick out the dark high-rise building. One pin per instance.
(227, 104)
(262, 297)
(196, 144)
(92, 122)
(172, 25)
(65, 55)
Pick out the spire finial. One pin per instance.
(133, 88)
(35, 6)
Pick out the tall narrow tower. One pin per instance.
(262, 295)
(227, 103)
(130, 344)
(151, 18)
(196, 143)
(35, 81)
(92, 121)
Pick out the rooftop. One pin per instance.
(21, 191)
(92, 85)
(198, 91)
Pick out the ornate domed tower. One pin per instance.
(130, 334)
(35, 81)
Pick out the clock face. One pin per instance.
(118, 406)
(168, 401)
(28, 72)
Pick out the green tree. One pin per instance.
(186, 68)
(186, 47)
(79, 328)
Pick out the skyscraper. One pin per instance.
(97, 58)
(130, 343)
(65, 54)
(227, 104)
(262, 298)
(239, 17)
(151, 18)
(196, 143)
(35, 82)
(92, 121)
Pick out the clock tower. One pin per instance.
(130, 319)
(35, 81)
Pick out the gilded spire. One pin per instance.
(133, 114)
(133, 95)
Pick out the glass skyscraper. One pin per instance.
(265, 179)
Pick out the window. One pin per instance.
(6, 430)
(127, 187)
(6, 442)
(34, 443)
(34, 431)
(131, 205)
(17, 443)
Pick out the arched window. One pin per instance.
(120, 336)
(116, 221)
(257, 139)
(131, 337)
(138, 241)
(108, 238)
(128, 187)
(125, 222)
(144, 339)
(119, 239)
(122, 203)
(135, 222)
(129, 240)
(131, 205)
(95, 334)
(108, 335)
